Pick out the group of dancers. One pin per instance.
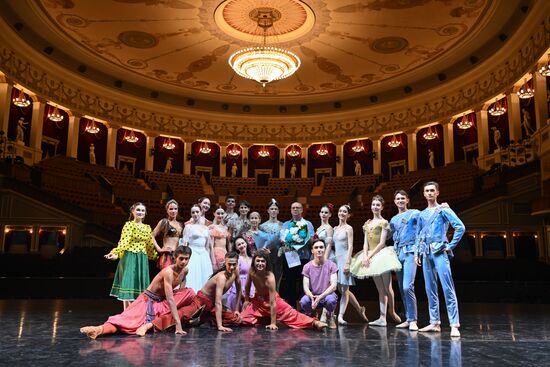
(229, 270)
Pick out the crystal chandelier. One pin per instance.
(358, 147)
(91, 127)
(394, 143)
(205, 149)
(55, 115)
(544, 70)
(465, 123)
(168, 144)
(21, 100)
(322, 150)
(497, 109)
(263, 152)
(293, 152)
(430, 134)
(526, 91)
(264, 63)
(234, 151)
(131, 137)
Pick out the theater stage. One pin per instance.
(46, 333)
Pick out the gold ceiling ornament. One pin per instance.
(168, 144)
(131, 137)
(91, 127)
(526, 91)
(430, 134)
(498, 108)
(465, 123)
(264, 63)
(394, 142)
(55, 115)
(21, 100)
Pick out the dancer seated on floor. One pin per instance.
(320, 282)
(158, 299)
(208, 301)
(266, 303)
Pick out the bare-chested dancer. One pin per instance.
(267, 303)
(209, 300)
(158, 299)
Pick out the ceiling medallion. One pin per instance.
(131, 137)
(264, 63)
(205, 149)
(263, 152)
(526, 91)
(430, 134)
(394, 143)
(55, 115)
(358, 147)
(168, 144)
(465, 123)
(91, 127)
(322, 150)
(234, 151)
(497, 109)
(21, 100)
(293, 152)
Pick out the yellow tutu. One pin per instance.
(384, 261)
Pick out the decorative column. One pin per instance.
(38, 110)
(305, 157)
(111, 144)
(72, 137)
(448, 142)
(282, 155)
(377, 155)
(340, 162)
(514, 115)
(412, 164)
(482, 125)
(150, 137)
(245, 159)
(541, 111)
(186, 161)
(5, 103)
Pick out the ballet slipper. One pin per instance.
(92, 332)
(332, 323)
(341, 320)
(454, 332)
(319, 325)
(431, 328)
(143, 329)
(413, 326)
(380, 322)
(364, 314)
(403, 325)
(396, 317)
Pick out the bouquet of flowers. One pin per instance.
(297, 234)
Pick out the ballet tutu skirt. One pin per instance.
(384, 261)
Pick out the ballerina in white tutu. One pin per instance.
(377, 261)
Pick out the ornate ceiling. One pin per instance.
(356, 55)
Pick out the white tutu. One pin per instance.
(384, 261)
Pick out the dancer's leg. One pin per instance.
(344, 299)
(386, 281)
(382, 301)
(355, 303)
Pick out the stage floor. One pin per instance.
(46, 333)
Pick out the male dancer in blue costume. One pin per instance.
(403, 228)
(436, 251)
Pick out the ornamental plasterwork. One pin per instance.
(72, 95)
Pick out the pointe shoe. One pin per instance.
(341, 320)
(403, 325)
(413, 326)
(364, 314)
(431, 328)
(454, 332)
(380, 322)
(332, 323)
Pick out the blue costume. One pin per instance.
(432, 244)
(403, 228)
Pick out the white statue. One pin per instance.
(234, 170)
(20, 137)
(92, 154)
(293, 170)
(168, 166)
(526, 122)
(496, 137)
(431, 158)
(357, 168)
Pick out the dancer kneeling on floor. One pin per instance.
(208, 301)
(158, 299)
(266, 303)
